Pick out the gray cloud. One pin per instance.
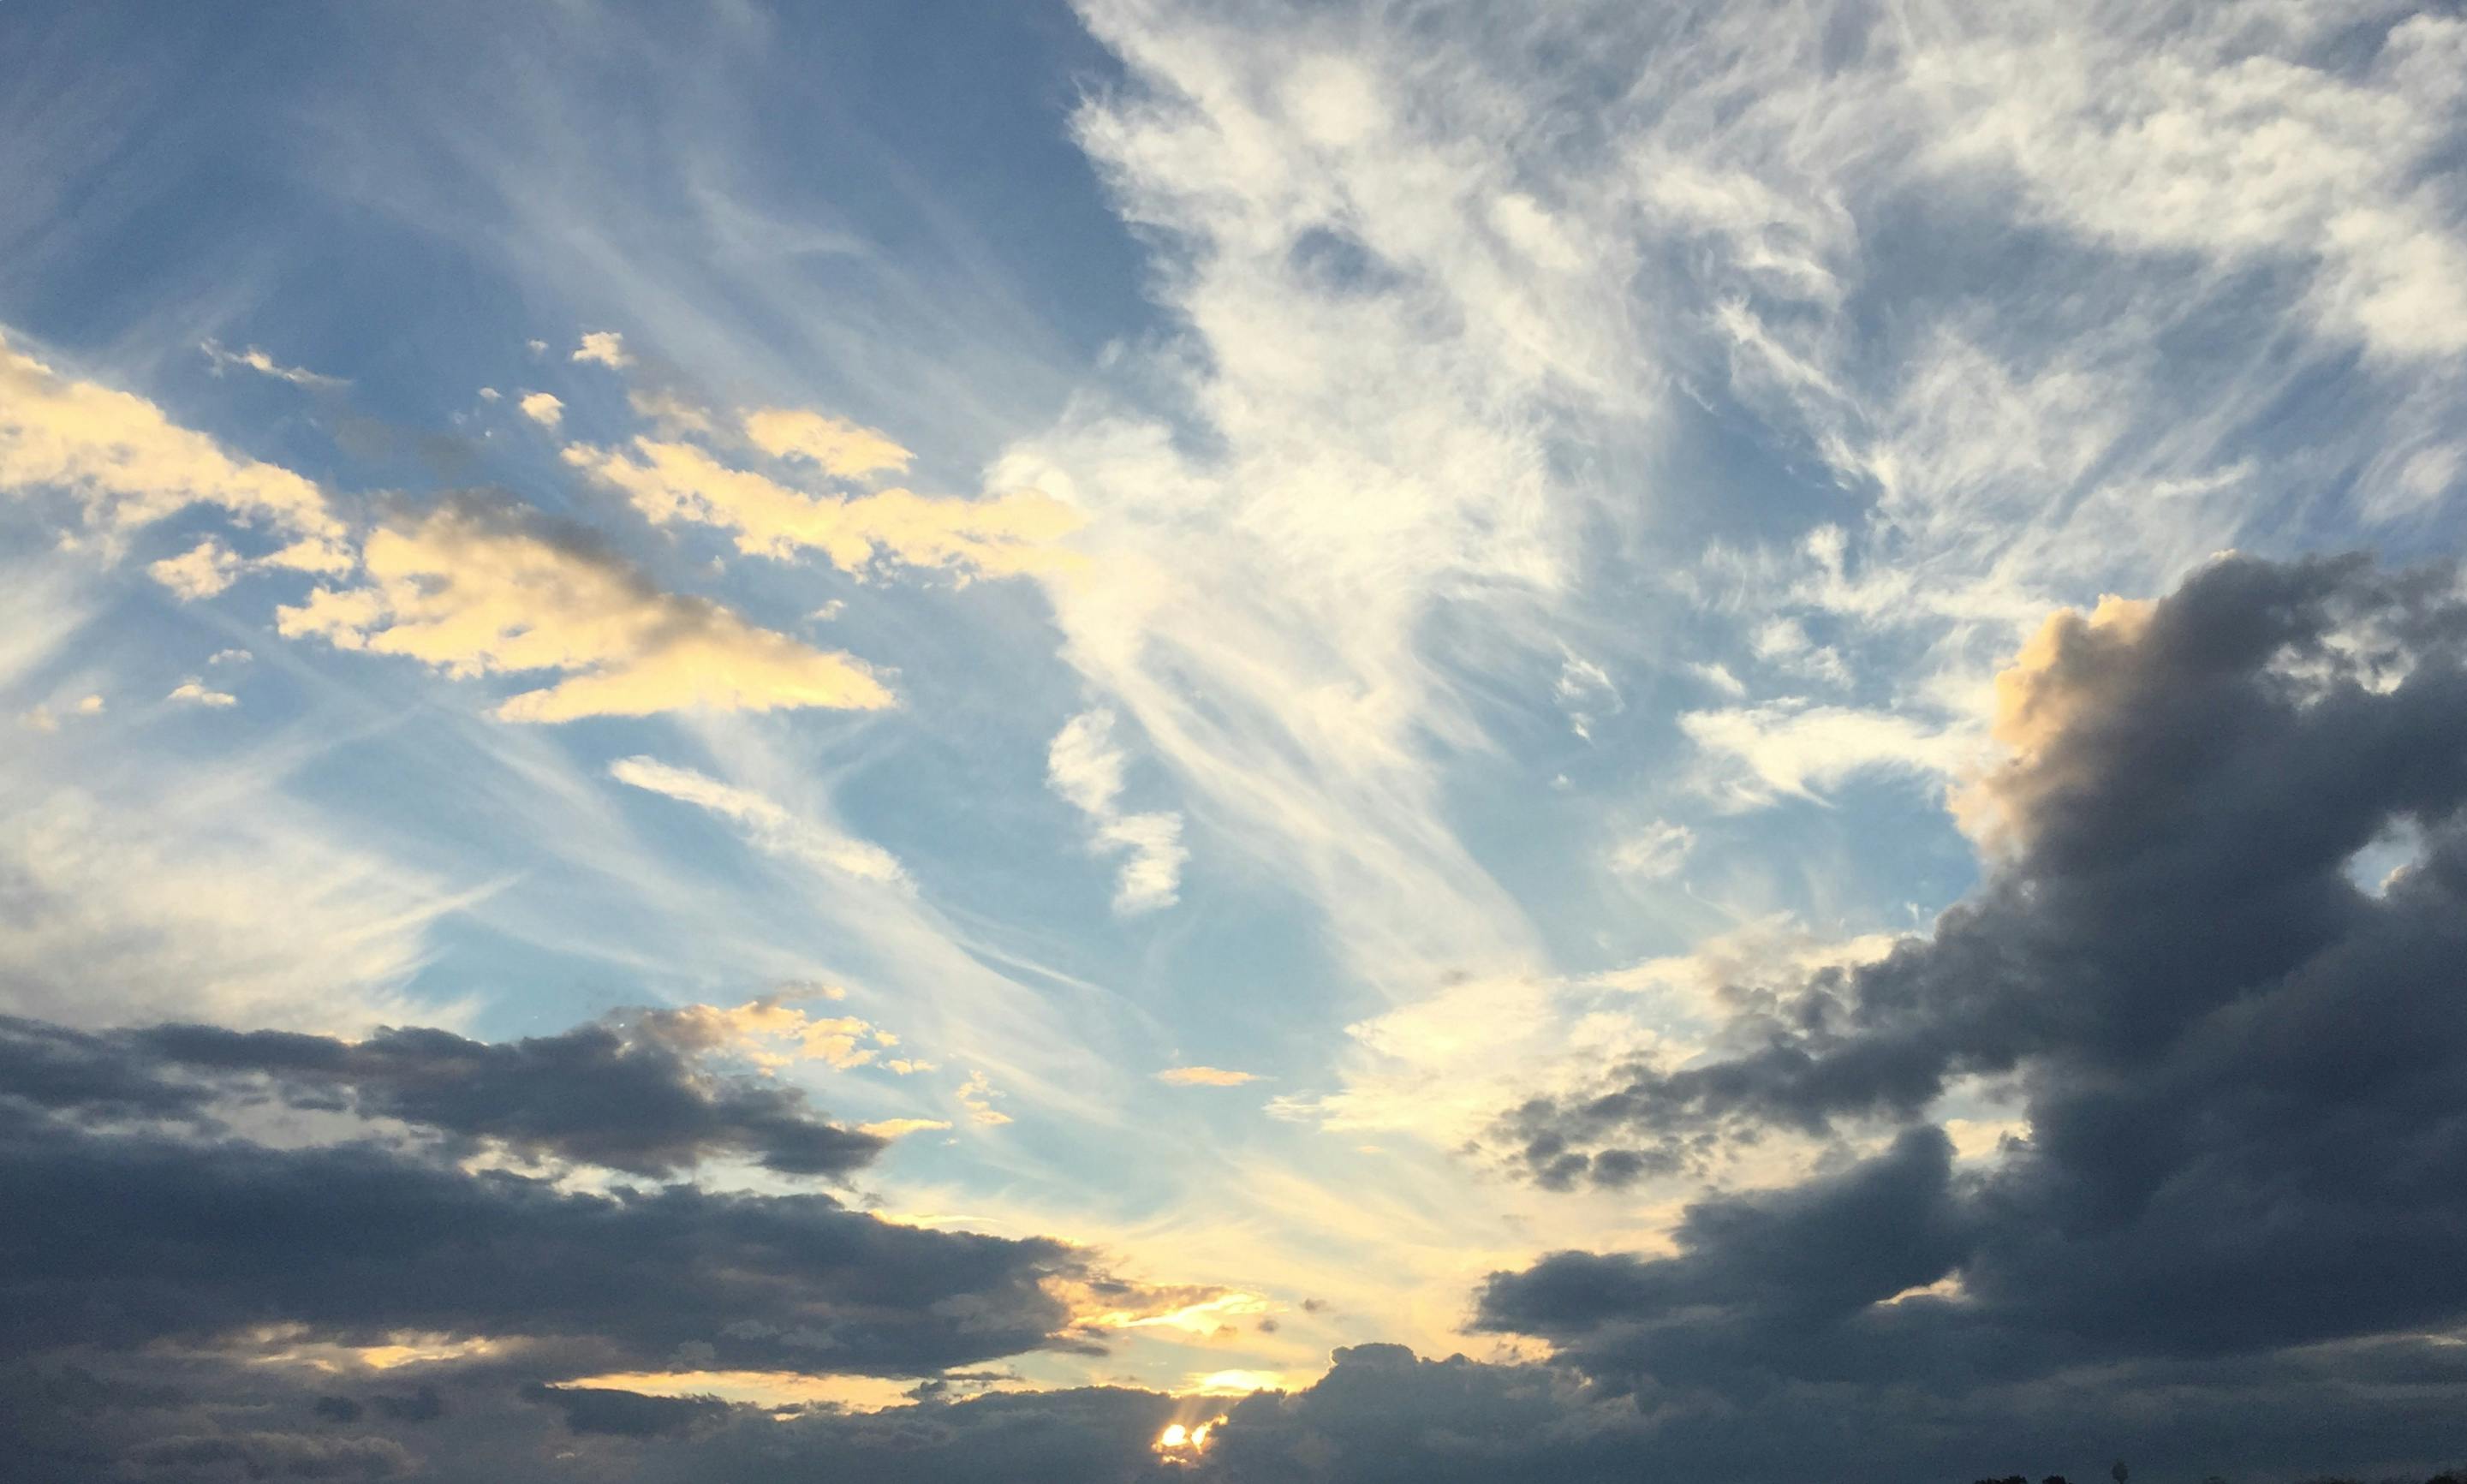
(2244, 1074)
(141, 1237)
(634, 1094)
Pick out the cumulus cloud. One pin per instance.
(129, 465)
(472, 593)
(2233, 1063)
(194, 691)
(1011, 532)
(606, 348)
(542, 408)
(1085, 767)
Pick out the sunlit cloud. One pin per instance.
(472, 595)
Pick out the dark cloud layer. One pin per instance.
(134, 1238)
(2245, 1075)
(634, 1095)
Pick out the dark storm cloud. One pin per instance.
(634, 1095)
(118, 1239)
(2245, 1076)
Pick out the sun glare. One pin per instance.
(1183, 1443)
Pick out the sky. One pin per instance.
(1344, 740)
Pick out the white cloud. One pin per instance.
(1085, 767)
(256, 360)
(1792, 748)
(542, 408)
(1585, 693)
(1654, 853)
(769, 827)
(193, 691)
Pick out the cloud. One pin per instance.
(605, 346)
(1011, 532)
(771, 829)
(1085, 767)
(1793, 749)
(901, 1128)
(129, 465)
(1654, 853)
(634, 1093)
(472, 593)
(836, 446)
(977, 1095)
(205, 570)
(256, 360)
(193, 691)
(1205, 1077)
(542, 408)
(206, 1242)
(2228, 1057)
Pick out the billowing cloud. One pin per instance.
(1010, 532)
(1085, 767)
(472, 593)
(129, 465)
(2226, 1054)
(542, 408)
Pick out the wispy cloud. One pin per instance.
(253, 359)
(767, 825)
(1085, 767)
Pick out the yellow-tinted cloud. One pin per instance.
(772, 1034)
(478, 595)
(898, 1128)
(1205, 1077)
(2053, 682)
(605, 346)
(542, 408)
(129, 465)
(670, 480)
(835, 445)
(977, 1095)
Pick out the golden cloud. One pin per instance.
(472, 593)
(130, 466)
(672, 481)
(1205, 1077)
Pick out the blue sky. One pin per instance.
(1382, 554)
